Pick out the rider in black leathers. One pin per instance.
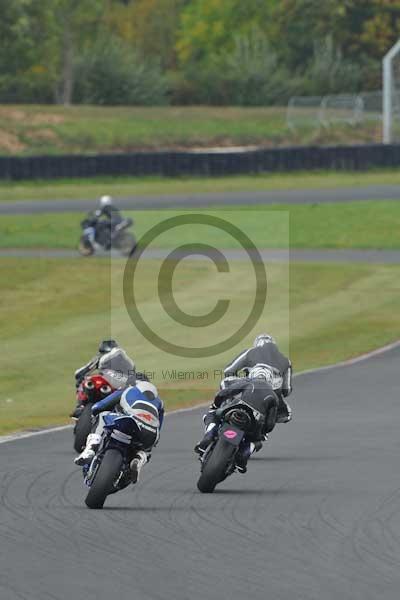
(265, 351)
(256, 390)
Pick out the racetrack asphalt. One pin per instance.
(313, 196)
(316, 517)
(268, 256)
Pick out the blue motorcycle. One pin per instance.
(109, 471)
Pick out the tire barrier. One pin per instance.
(204, 163)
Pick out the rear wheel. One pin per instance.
(214, 470)
(102, 485)
(82, 428)
(126, 243)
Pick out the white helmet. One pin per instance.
(105, 201)
(261, 371)
(262, 339)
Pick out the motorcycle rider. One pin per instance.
(139, 398)
(265, 351)
(257, 390)
(104, 347)
(107, 215)
(109, 211)
(110, 357)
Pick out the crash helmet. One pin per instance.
(262, 339)
(106, 201)
(107, 345)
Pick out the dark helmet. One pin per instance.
(107, 345)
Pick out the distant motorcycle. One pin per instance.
(91, 390)
(238, 419)
(98, 235)
(109, 471)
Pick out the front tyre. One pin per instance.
(126, 243)
(102, 484)
(216, 466)
(82, 428)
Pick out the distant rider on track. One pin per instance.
(107, 216)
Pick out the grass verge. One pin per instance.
(27, 130)
(353, 225)
(53, 315)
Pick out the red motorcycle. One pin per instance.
(92, 389)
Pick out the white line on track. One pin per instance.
(346, 363)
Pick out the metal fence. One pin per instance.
(327, 111)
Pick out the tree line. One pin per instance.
(151, 52)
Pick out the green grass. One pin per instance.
(30, 130)
(53, 314)
(353, 225)
(77, 189)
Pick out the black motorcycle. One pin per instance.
(239, 420)
(98, 234)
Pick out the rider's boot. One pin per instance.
(259, 443)
(137, 464)
(202, 446)
(92, 444)
(77, 411)
(243, 456)
(257, 446)
(284, 414)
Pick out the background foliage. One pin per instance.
(191, 51)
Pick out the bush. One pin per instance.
(253, 73)
(31, 87)
(250, 75)
(111, 73)
(330, 73)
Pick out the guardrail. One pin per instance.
(360, 157)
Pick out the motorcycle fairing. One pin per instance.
(124, 424)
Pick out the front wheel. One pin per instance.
(216, 466)
(82, 428)
(126, 243)
(103, 481)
